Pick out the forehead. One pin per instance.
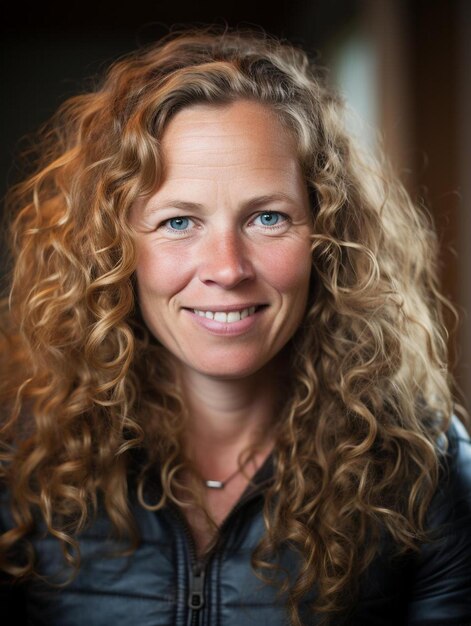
(227, 135)
(226, 155)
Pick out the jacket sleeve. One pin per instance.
(441, 587)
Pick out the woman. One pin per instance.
(225, 391)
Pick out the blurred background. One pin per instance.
(403, 66)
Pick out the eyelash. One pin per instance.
(165, 223)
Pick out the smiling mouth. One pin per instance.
(228, 317)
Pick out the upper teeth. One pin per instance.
(222, 316)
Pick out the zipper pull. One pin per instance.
(196, 597)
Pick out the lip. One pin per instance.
(225, 328)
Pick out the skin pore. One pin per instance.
(227, 228)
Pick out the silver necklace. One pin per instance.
(220, 484)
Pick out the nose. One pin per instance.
(225, 260)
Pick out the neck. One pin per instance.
(227, 416)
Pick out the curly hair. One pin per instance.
(368, 390)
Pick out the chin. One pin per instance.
(226, 371)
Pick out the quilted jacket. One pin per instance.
(163, 584)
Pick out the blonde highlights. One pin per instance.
(369, 390)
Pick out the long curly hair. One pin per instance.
(84, 384)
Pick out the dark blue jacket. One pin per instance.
(162, 584)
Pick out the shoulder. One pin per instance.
(452, 500)
(440, 588)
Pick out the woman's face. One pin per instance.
(223, 244)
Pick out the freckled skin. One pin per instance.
(220, 157)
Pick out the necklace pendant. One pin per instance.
(214, 484)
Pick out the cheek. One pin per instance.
(160, 274)
(289, 268)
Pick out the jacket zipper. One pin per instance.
(197, 573)
(198, 567)
(196, 594)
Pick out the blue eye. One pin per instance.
(270, 218)
(179, 223)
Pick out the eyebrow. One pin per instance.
(251, 203)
